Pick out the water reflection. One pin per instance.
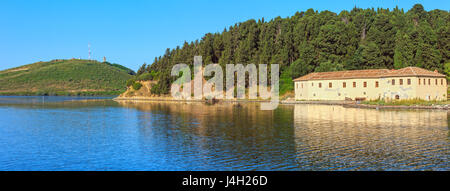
(338, 138)
(126, 135)
(222, 136)
(300, 137)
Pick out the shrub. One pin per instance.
(286, 83)
(145, 77)
(130, 82)
(137, 85)
(154, 74)
(155, 89)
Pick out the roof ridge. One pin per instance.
(412, 70)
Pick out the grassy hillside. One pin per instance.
(65, 77)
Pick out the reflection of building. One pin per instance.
(339, 138)
(405, 83)
(341, 116)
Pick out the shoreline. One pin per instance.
(349, 104)
(432, 107)
(343, 103)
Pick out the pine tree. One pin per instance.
(382, 33)
(142, 69)
(403, 55)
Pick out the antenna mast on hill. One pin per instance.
(89, 51)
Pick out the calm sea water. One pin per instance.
(67, 133)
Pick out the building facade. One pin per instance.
(405, 83)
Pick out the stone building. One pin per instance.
(405, 83)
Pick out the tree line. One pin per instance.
(313, 41)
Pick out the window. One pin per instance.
(429, 81)
(393, 82)
(442, 81)
(435, 82)
(409, 81)
(424, 83)
(330, 85)
(376, 84)
(418, 81)
(365, 84)
(354, 84)
(344, 85)
(312, 84)
(401, 81)
(320, 85)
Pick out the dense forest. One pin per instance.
(319, 41)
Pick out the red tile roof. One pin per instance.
(372, 73)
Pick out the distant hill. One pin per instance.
(65, 77)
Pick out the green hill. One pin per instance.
(65, 77)
(313, 41)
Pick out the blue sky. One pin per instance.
(133, 32)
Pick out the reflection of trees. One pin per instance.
(240, 134)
